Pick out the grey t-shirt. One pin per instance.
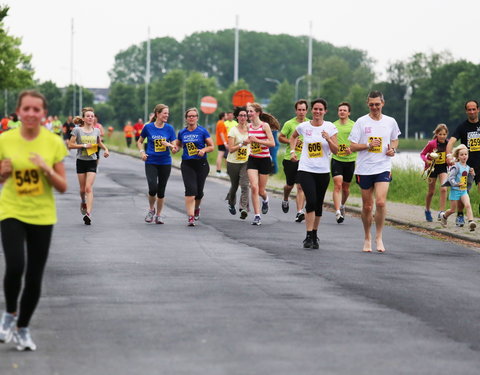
(84, 137)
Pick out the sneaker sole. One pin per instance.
(243, 215)
(87, 220)
(300, 218)
(340, 220)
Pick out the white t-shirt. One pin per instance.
(374, 160)
(316, 151)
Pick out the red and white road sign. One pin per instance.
(208, 105)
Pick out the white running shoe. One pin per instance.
(443, 219)
(150, 215)
(23, 339)
(339, 217)
(7, 326)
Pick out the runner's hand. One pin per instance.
(5, 168)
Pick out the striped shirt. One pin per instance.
(258, 150)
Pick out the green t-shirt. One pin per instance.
(343, 142)
(230, 124)
(287, 130)
(27, 195)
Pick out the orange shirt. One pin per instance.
(221, 129)
(128, 130)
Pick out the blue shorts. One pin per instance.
(367, 181)
(455, 194)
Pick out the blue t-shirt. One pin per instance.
(157, 153)
(193, 141)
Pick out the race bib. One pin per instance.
(315, 150)
(158, 145)
(441, 158)
(463, 183)
(242, 154)
(474, 144)
(28, 182)
(299, 145)
(92, 150)
(377, 149)
(342, 150)
(191, 148)
(255, 148)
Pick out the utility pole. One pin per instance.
(235, 64)
(147, 77)
(71, 69)
(309, 92)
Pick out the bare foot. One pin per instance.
(380, 246)
(367, 246)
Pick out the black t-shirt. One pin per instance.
(469, 134)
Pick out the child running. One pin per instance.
(438, 146)
(460, 178)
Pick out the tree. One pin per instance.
(15, 69)
(281, 103)
(54, 97)
(124, 101)
(87, 100)
(105, 114)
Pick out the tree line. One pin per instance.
(182, 72)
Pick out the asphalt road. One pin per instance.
(225, 297)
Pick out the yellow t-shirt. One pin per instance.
(26, 195)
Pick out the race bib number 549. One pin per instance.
(28, 182)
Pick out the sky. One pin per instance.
(387, 30)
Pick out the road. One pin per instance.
(225, 297)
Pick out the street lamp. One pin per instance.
(408, 95)
(297, 81)
(272, 80)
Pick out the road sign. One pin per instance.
(242, 97)
(208, 104)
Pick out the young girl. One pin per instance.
(437, 145)
(460, 178)
(259, 162)
(86, 140)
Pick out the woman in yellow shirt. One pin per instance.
(31, 164)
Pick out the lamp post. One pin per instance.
(408, 95)
(297, 81)
(273, 80)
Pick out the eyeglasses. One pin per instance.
(242, 116)
(374, 104)
(192, 116)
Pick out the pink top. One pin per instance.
(258, 150)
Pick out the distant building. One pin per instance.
(99, 95)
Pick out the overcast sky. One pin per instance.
(388, 30)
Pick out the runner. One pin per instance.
(158, 162)
(138, 127)
(343, 163)
(221, 138)
(86, 139)
(129, 132)
(375, 137)
(31, 163)
(319, 140)
(67, 128)
(438, 146)
(290, 167)
(469, 134)
(237, 164)
(259, 164)
(460, 178)
(196, 143)
(97, 125)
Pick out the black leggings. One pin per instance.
(37, 237)
(194, 173)
(157, 177)
(314, 186)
